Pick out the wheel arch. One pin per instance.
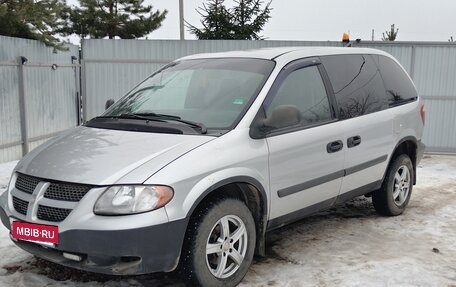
(407, 145)
(247, 189)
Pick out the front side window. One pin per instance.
(213, 92)
(357, 84)
(302, 91)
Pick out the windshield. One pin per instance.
(212, 92)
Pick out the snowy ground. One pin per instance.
(349, 245)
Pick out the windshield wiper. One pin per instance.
(160, 118)
(129, 116)
(150, 114)
(154, 116)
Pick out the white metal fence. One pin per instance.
(38, 94)
(111, 68)
(39, 89)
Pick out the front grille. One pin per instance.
(20, 205)
(26, 183)
(66, 191)
(58, 191)
(53, 214)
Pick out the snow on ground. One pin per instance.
(349, 245)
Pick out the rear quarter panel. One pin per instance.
(407, 121)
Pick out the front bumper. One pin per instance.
(118, 252)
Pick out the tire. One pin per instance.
(394, 195)
(207, 231)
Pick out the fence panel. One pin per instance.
(435, 77)
(51, 106)
(440, 131)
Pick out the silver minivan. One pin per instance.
(194, 165)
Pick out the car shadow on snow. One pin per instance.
(311, 228)
(360, 207)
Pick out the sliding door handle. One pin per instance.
(353, 141)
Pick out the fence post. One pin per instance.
(412, 62)
(77, 85)
(83, 92)
(22, 105)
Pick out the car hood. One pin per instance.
(103, 157)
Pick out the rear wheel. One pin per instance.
(219, 245)
(394, 195)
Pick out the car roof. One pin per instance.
(299, 52)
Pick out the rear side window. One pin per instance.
(357, 84)
(399, 88)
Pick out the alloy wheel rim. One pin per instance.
(401, 185)
(226, 246)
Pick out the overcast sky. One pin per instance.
(417, 20)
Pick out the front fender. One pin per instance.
(218, 179)
(185, 201)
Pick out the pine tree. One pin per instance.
(216, 21)
(126, 19)
(33, 19)
(390, 35)
(249, 19)
(244, 21)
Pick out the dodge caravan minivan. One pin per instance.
(193, 166)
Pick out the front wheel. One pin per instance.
(394, 195)
(219, 244)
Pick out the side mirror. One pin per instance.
(109, 103)
(281, 117)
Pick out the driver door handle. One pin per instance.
(334, 146)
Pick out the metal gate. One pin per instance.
(39, 92)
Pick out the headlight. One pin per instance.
(131, 199)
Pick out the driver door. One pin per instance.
(306, 154)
